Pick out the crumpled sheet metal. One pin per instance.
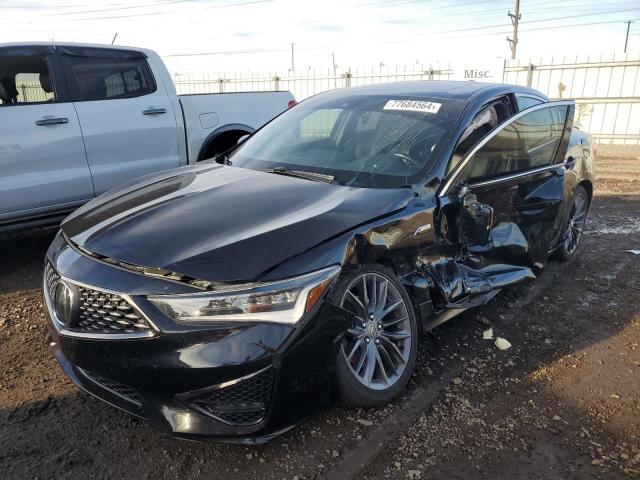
(462, 286)
(507, 237)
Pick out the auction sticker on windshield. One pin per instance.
(413, 106)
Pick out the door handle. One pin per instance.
(51, 121)
(154, 111)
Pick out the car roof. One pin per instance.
(443, 89)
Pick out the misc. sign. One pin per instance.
(489, 71)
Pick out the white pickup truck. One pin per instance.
(76, 120)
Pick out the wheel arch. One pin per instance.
(414, 282)
(588, 186)
(233, 129)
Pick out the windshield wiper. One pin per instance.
(316, 177)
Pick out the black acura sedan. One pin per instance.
(231, 298)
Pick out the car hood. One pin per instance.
(222, 223)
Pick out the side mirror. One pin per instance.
(475, 221)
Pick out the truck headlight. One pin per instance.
(283, 301)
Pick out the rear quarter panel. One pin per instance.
(204, 114)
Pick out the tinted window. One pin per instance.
(482, 124)
(25, 79)
(364, 141)
(525, 102)
(111, 78)
(528, 142)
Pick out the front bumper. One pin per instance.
(236, 382)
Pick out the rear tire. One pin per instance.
(574, 226)
(378, 354)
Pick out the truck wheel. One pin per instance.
(221, 143)
(378, 353)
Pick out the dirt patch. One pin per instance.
(615, 176)
(562, 402)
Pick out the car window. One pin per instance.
(319, 124)
(363, 141)
(528, 142)
(525, 101)
(25, 79)
(483, 123)
(111, 78)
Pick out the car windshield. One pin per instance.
(361, 141)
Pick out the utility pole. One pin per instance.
(293, 65)
(626, 38)
(515, 18)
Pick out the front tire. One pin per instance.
(575, 225)
(378, 353)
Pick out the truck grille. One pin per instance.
(128, 393)
(241, 404)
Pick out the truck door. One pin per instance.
(506, 195)
(128, 122)
(43, 168)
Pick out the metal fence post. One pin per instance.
(347, 79)
(530, 74)
(276, 82)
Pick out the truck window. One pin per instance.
(111, 78)
(25, 79)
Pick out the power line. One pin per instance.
(404, 40)
(142, 14)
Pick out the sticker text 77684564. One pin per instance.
(413, 106)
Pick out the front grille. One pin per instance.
(102, 312)
(99, 311)
(128, 393)
(51, 277)
(241, 404)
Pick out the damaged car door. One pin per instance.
(502, 205)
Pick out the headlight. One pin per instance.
(284, 301)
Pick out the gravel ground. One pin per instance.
(562, 402)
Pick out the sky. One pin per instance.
(256, 35)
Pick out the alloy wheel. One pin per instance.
(577, 220)
(378, 346)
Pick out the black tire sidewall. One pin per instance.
(562, 254)
(349, 389)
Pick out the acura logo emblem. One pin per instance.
(64, 302)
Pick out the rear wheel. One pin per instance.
(575, 224)
(378, 353)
